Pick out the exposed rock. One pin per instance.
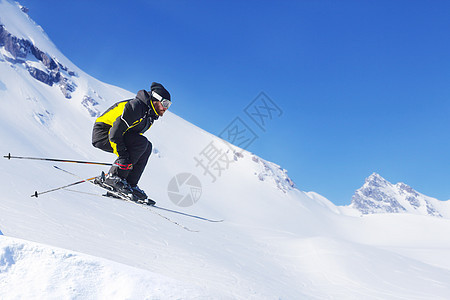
(268, 170)
(20, 49)
(24, 9)
(378, 195)
(67, 87)
(89, 103)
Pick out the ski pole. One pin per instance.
(9, 156)
(36, 193)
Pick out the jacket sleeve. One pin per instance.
(131, 116)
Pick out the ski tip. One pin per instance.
(211, 220)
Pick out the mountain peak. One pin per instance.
(378, 195)
(375, 179)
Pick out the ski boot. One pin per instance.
(138, 193)
(147, 201)
(114, 183)
(141, 197)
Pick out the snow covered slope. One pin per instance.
(66, 274)
(377, 195)
(276, 242)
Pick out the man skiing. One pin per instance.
(120, 129)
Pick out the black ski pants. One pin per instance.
(139, 149)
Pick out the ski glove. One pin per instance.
(123, 163)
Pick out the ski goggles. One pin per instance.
(164, 102)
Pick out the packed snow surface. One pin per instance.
(276, 242)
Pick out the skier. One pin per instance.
(119, 130)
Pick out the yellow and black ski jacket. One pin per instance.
(132, 115)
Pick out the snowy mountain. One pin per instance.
(377, 195)
(276, 242)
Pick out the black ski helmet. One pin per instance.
(160, 90)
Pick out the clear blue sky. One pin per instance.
(364, 86)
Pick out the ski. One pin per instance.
(154, 206)
(187, 215)
(125, 198)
